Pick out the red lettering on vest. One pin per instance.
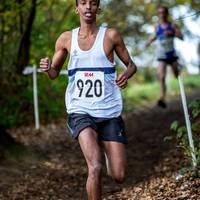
(86, 74)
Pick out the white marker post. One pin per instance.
(187, 120)
(35, 98)
(33, 70)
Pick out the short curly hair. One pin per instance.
(98, 2)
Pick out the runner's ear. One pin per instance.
(76, 10)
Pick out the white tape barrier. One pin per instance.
(34, 70)
(187, 120)
(29, 70)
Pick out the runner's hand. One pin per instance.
(168, 33)
(122, 80)
(45, 64)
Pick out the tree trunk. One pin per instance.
(21, 19)
(25, 43)
(2, 25)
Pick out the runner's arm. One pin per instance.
(178, 32)
(52, 69)
(152, 38)
(124, 56)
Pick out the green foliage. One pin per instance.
(181, 132)
(51, 98)
(174, 126)
(17, 110)
(52, 19)
(140, 92)
(195, 106)
(146, 75)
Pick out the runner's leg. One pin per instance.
(92, 153)
(161, 76)
(175, 69)
(115, 160)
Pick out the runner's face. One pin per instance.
(87, 9)
(162, 14)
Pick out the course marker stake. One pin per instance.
(187, 120)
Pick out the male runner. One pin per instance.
(165, 32)
(93, 98)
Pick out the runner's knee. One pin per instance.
(119, 177)
(95, 169)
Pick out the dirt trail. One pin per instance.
(60, 175)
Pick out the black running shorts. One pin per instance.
(107, 129)
(168, 61)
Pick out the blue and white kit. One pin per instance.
(165, 44)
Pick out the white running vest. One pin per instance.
(91, 88)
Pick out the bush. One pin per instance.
(17, 101)
(181, 132)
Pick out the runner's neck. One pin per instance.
(164, 21)
(88, 29)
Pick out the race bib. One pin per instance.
(89, 86)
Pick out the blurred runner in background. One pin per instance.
(165, 32)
